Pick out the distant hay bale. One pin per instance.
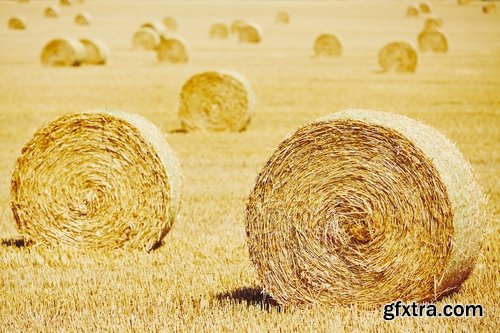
(157, 26)
(367, 208)
(23, 1)
(282, 18)
(432, 40)
(327, 45)
(489, 7)
(146, 38)
(17, 22)
(83, 18)
(172, 49)
(96, 180)
(250, 33)
(463, 2)
(65, 2)
(433, 22)
(219, 31)
(412, 11)
(237, 25)
(425, 7)
(96, 51)
(398, 57)
(63, 52)
(170, 23)
(52, 12)
(216, 101)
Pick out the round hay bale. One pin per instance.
(364, 207)
(145, 38)
(96, 51)
(219, 31)
(432, 23)
(216, 101)
(156, 26)
(17, 22)
(83, 19)
(327, 45)
(432, 40)
(63, 52)
(52, 12)
(172, 49)
(65, 2)
(489, 7)
(102, 179)
(463, 2)
(170, 23)
(282, 18)
(425, 7)
(250, 33)
(412, 11)
(399, 57)
(237, 25)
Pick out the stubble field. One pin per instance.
(202, 279)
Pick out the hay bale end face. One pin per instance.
(83, 19)
(52, 12)
(219, 31)
(170, 23)
(172, 49)
(412, 11)
(63, 52)
(489, 7)
(146, 38)
(432, 23)
(327, 45)
(17, 23)
(216, 101)
(399, 57)
(102, 179)
(282, 18)
(367, 208)
(96, 51)
(425, 7)
(433, 41)
(250, 33)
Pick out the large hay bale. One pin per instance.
(250, 33)
(282, 18)
(432, 40)
(63, 52)
(83, 18)
(489, 7)
(157, 26)
(146, 38)
(172, 49)
(170, 23)
(399, 57)
(433, 22)
(96, 51)
(17, 22)
(65, 2)
(327, 45)
(237, 25)
(102, 179)
(364, 207)
(216, 101)
(412, 11)
(219, 31)
(52, 12)
(425, 7)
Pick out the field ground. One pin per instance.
(202, 278)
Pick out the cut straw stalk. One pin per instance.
(364, 207)
(102, 179)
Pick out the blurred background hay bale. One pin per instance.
(282, 17)
(157, 26)
(433, 22)
(489, 7)
(236, 25)
(425, 7)
(463, 2)
(96, 51)
(327, 45)
(172, 49)
(17, 22)
(412, 11)
(170, 23)
(432, 40)
(398, 57)
(219, 31)
(65, 2)
(63, 52)
(364, 207)
(96, 180)
(146, 39)
(52, 11)
(250, 33)
(83, 18)
(216, 101)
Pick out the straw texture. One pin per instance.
(172, 49)
(216, 101)
(63, 52)
(364, 207)
(52, 11)
(17, 23)
(282, 18)
(250, 33)
(83, 18)
(398, 57)
(102, 179)
(432, 40)
(145, 38)
(219, 31)
(327, 45)
(170, 23)
(412, 11)
(97, 52)
(489, 7)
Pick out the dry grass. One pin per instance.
(202, 278)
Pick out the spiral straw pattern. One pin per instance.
(364, 207)
(102, 179)
(327, 45)
(63, 52)
(432, 40)
(398, 57)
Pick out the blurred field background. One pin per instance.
(201, 279)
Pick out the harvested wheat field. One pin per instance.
(214, 257)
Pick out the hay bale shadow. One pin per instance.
(14, 242)
(252, 296)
